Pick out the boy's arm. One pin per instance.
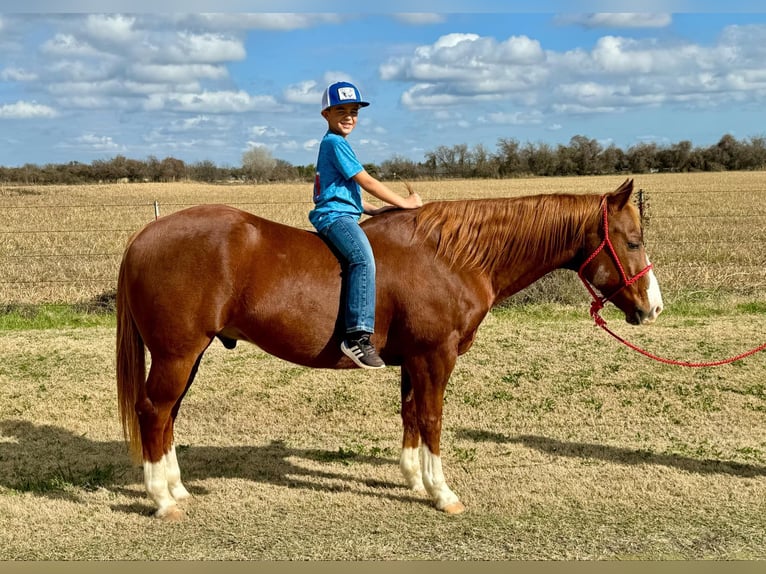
(370, 209)
(379, 190)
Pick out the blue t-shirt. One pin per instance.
(336, 194)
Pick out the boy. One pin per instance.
(338, 207)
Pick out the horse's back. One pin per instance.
(217, 270)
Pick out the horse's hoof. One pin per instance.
(170, 514)
(454, 508)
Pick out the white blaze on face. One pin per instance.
(654, 295)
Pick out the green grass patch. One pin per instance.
(752, 308)
(64, 479)
(51, 316)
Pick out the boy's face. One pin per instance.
(341, 119)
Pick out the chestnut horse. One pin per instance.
(215, 271)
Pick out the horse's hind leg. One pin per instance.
(167, 381)
(409, 463)
(172, 470)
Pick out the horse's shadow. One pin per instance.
(52, 461)
(618, 455)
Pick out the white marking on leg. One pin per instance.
(156, 482)
(409, 463)
(433, 479)
(173, 474)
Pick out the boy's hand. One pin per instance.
(413, 200)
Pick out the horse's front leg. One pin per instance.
(429, 376)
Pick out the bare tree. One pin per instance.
(258, 163)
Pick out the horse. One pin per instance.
(214, 271)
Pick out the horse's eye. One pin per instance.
(633, 246)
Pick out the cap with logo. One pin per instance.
(341, 93)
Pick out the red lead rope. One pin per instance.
(598, 304)
(595, 310)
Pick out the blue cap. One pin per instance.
(342, 93)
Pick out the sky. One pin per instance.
(79, 85)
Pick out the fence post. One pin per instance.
(156, 210)
(640, 201)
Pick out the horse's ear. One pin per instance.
(620, 196)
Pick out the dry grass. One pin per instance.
(706, 232)
(561, 443)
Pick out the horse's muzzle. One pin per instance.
(643, 316)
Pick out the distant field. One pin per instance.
(706, 233)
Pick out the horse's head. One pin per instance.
(616, 264)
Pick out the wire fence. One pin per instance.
(69, 252)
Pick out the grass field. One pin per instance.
(561, 443)
(706, 232)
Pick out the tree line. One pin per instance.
(511, 158)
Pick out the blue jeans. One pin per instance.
(358, 262)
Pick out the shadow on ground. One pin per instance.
(53, 462)
(617, 455)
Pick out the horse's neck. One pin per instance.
(534, 250)
(511, 242)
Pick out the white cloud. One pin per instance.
(467, 58)
(619, 20)
(211, 102)
(629, 56)
(118, 88)
(514, 118)
(311, 145)
(17, 75)
(615, 74)
(95, 142)
(66, 45)
(205, 48)
(203, 121)
(111, 29)
(77, 71)
(176, 73)
(420, 18)
(26, 110)
(289, 145)
(308, 92)
(266, 131)
(263, 21)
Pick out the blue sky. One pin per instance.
(81, 86)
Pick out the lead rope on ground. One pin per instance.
(595, 310)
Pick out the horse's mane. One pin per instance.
(482, 233)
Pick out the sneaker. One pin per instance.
(362, 352)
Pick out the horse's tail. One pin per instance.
(131, 367)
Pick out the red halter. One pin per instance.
(599, 302)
